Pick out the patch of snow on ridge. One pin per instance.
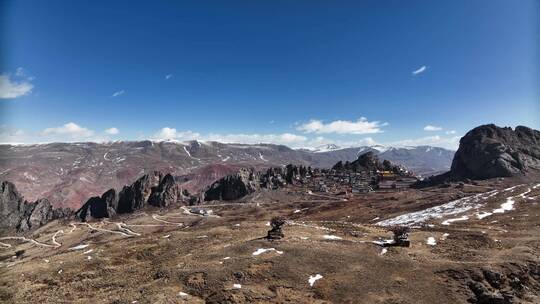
(483, 215)
(331, 237)
(506, 206)
(79, 247)
(314, 278)
(448, 221)
(263, 250)
(454, 207)
(431, 241)
(262, 157)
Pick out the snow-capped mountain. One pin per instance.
(326, 148)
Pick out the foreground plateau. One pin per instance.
(470, 243)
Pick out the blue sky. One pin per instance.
(302, 73)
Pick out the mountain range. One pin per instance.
(69, 173)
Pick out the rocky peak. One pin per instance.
(136, 195)
(151, 189)
(16, 213)
(368, 161)
(166, 193)
(233, 186)
(489, 151)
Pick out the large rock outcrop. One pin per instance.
(165, 194)
(150, 189)
(16, 213)
(489, 151)
(99, 207)
(367, 162)
(233, 187)
(135, 196)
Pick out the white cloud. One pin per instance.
(432, 128)
(282, 139)
(71, 130)
(420, 70)
(361, 126)
(450, 132)
(451, 143)
(168, 133)
(112, 131)
(171, 133)
(118, 93)
(11, 88)
(168, 76)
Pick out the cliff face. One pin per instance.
(234, 186)
(489, 151)
(150, 189)
(16, 213)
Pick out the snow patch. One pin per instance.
(263, 250)
(431, 241)
(313, 279)
(331, 237)
(454, 207)
(79, 247)
(506, 206)
(457, 219)
(483, 215)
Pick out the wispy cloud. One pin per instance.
(70, 129)
(168, 133)
(419, 70)
(17, 86)
(450, 132)
(112, 131)
(431, 128)
(168, 76)
(118, 93)
(361, 126)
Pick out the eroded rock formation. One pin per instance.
(16, 213)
